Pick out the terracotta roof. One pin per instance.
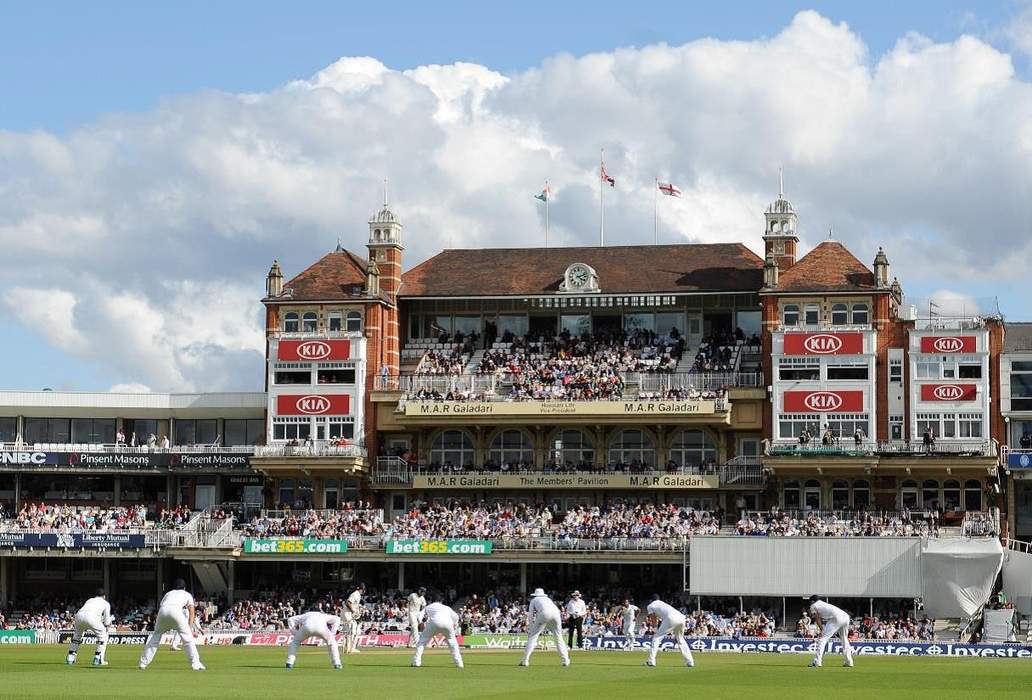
(621, 269)
(828, 267)
(336, 275)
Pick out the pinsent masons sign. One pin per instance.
(949, 392)
(313, 405)
(824, 401)
(824, 343)
(947, 344)
(313, 350)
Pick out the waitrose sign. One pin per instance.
(293, 545)
(438, 546)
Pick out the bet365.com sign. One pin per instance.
(438, 546)
(289, 545)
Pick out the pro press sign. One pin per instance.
(948, 344)
(949, 392)
(823, 402)
(824, 343)
(313, 405)
(313, 350)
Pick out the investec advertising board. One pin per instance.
(559, 408)
(293, 545)
(670, 482)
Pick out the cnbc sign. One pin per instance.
(438, 546)
(285, 545)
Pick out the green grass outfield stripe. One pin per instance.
(257, 672)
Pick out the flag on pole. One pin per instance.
(546, 194)
(606, 178)
(669, 189)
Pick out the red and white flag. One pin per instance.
(606, 178)
(669, 189)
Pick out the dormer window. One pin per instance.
(861, 314)
(290, 323)
(790, 315)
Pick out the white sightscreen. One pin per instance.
(959, 574)
(1017, 580)
(875, 567)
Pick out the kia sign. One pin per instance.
(949, 392)
(824, 343)
(313, 350)
(823, 402)
(313, 405)
(946, 344)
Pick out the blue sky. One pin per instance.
(105, 106)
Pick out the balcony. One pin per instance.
(315, 449)
(314, 335)
(740, 472)
(885, 448)
(495, 387)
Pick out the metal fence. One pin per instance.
(850, 448)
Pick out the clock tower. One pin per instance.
(385, 257)
(779, 237)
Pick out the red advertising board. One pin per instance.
(949, 392)
(313, 405)
(824, 343)
(823, 402)
(313, 350)
(945, 344)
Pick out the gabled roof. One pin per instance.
(337, 275)
(721, 267)
(829, 267)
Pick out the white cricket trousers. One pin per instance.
(431, 630)
(831, 628)
(675, 628)
(551, 624)
(89, 623)
(413, 621)
(171, 619)
(320, 630)
(628, 632)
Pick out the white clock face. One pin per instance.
(579, 276)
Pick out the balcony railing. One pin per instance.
(313, 335)
(109, 448)
(868, 448)
(310, 450)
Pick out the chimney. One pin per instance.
(274, 280)
(770, 272)
(881, 270)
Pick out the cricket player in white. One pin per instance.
(352, 612)
(670, 621)
(94, 616)
(440, 619)
(416, 606)
(314, 624)
(177, 611)
(835, 621)
(629, 616)
(543, 616)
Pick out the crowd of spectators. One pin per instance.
(38, 612)
(887, 626)
(717, 351)
(460, 521)
(72, 518)
(859, 524)
(351, 520)
(636, 521)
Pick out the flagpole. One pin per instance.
(655, 214)
(548, 196)
(601, 200)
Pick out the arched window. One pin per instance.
(951, 495)
(790, 495)
(511, 447)
(376, 234)
(861, 494)
(309, 323)
(840, 495)
(929, 493)
(973, 495)
(291, 323)
(839, 315)
(572, 448)
(692, 448)
(354, 322)
(790, 315)
(861, 314)
(452, 448)
(812, 495)
(632, 447)
(812, 314)
(908, 494)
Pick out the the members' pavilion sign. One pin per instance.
(655, 481)
(559, 408)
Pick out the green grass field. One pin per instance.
(257, 672)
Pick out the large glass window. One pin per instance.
(844, 425)
(908, 494)
(291, 429)
(847, 372)
(969, 372)
(309, 322)
(929, 493)
(692, 448)
(575, 324)
(354, 322)
(928, 370)
(334, 324)
(748, 321)
(511, 447)
(861, 315)
(572, 448)
(291, 322)
(293, 377)
(951, 495)
(196, 432)
(812, 315)
(812, 495)
(970, 425)
(640, 321)
(1021, 386)
(667, 321)
(8, 429)
(795, 369)
(336, 376)
(790, 495)
(790, 315)
(240, 431)
(47, 430)
(839, 315)
(861, 494)
(452, 448)
(792, 425)
(840, 495)
(467, 325)
(96, 431)
(632, 447)
(517, 325)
